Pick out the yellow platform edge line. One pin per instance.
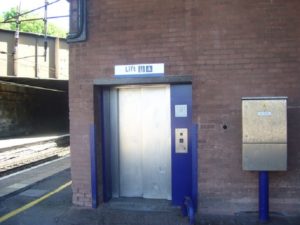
(33, 203)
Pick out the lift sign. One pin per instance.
(140, 70)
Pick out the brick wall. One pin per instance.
(232, 48)
(25, 111)
(15, 110)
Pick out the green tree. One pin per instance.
(4, 25)
(34, 26)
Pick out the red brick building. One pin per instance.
(230, 49)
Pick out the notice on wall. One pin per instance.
(139, 70)
(180, 110)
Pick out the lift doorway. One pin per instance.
(144, 143)
(143, 129)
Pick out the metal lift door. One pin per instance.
(145, 142)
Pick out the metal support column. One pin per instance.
(263, 196)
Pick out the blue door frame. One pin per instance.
(183, 172)
(184, 165)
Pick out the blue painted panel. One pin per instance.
(106, 154)
(93, 167)
(195, 166)
(181, 162)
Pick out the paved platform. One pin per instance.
(57, 209)
(17, 182)
(9, 143)
(246, 219)
(46, 212)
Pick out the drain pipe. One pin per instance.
(263, 196)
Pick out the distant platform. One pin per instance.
(10, 143)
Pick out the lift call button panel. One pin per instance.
(181, 140)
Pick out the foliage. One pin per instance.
(4, 25)
(35, 26)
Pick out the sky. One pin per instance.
(57, 9)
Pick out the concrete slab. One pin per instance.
(34, 193)
(108, 216)
(140, 204)
(16, 186)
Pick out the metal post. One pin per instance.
(45, 30)
(263, 196)
(17, 36)
(56, 58)
(36, 58)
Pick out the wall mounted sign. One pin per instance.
(140, 70)
(180, 110)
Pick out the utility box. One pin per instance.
(264, 122)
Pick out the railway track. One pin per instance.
(14, 160)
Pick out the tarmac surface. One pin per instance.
(58, 210)
(17, 182)
(42, 203)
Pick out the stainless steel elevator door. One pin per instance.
(145, 142)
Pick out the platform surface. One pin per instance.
(17, 182)
(57, 209)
